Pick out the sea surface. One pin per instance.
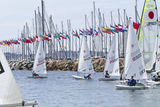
(61, 90)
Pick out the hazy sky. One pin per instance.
(15, 13)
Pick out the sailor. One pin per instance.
(106, 74)
(88, 76)
(34, 74)
(156, 77)
(131, 82)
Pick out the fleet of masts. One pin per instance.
(67, 47)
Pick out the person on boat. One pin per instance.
(34, 74)
(131, 82)
(106, 74)
(156, 77)
(88, 76)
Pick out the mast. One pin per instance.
(33, 47)
(43, 32)
(105, 39)
(119, 36)
(93, 43)
(124, 32)
(100, 27)
(136, 11)
(94, 25)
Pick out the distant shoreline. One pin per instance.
(61, 65)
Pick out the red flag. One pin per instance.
(46, 38)
(28, 41)
(135, 25)
(116, 25)
(33, 39)
(120, 25)
(63, 37)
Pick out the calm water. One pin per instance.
(61, 90)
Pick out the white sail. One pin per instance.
(157, 66)
(112, 61)
(85, 61)
(39, 66)
(134, 64)
(9, 92)
(148, 33)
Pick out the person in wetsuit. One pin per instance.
(34, 74)
(107, 74)
(88, 76)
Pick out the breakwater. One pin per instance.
(61, 65)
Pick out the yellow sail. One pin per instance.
(148, 33)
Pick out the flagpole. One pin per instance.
(100, 26)
(62, 41)
(85, 34)
(105, 45)
(94, 14)
(119, 38)
(68, 45)
(110, 34)
(93, 54)
(124, 32)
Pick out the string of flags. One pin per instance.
(89, 32)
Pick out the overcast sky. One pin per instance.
(15, 13)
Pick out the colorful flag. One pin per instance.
(135, 25)
(80, 32)
(75, 34)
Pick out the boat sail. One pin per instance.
(85, 65)
(112, 62)
(134, 63)
(157, 66)
(148, 33)
(39, 66)
(10, 95)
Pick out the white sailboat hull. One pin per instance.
(112, 78)
(126, 87)
(78, 77)
(20, 104)
(150, 82)
(106, 79)
(41, 77)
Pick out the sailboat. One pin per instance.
(156, 66)
(134, 63)
(112, 62)
(10, 95)
(148, 34)
(85, 65)
(39, 66)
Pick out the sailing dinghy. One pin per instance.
(134, 64)
(149, 38)
(10, 95)
(112, 62)
(85, 66)
(39, 67)
(148, 33)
